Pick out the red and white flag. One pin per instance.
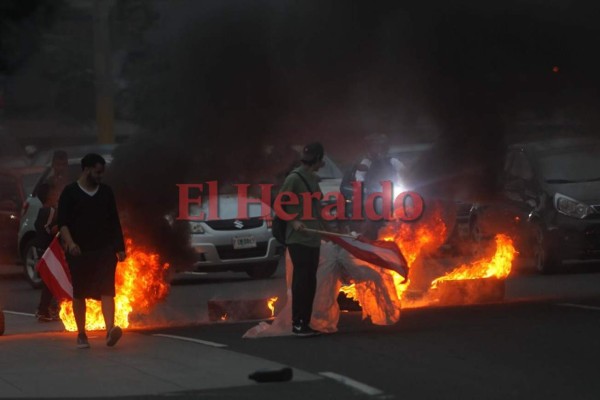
(54, 271)
(381, 253)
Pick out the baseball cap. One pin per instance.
(313, 152)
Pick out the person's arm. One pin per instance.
(65, 208)
(291, 185)
(118, 241)
(361, 170)
(72, 247)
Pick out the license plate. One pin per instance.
(244, 242)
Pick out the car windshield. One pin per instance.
(576, 165)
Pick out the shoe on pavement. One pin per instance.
(302, 330)
(113, 336)
(42, 317)
(82, 341)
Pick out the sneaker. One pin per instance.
(82, 341)
(42, 317)
(113, 336)
(54, 314)
(304, 331)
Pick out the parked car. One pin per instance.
(31, 206)
(234, 244)
(15, 185)
(549, 201)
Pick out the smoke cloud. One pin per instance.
(238, 76)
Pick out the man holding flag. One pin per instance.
(91, 231)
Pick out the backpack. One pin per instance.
(278, 229)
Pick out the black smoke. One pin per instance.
(239, 76)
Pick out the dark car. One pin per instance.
(15, 185)
(549, 201)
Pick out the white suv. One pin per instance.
(234, 244)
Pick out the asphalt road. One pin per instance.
(515, 351)
(539, 344)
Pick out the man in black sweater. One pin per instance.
(91, 231)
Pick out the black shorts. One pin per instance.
(93, 273)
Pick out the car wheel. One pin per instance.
(546, 258)
(262, 271)
(30, 260)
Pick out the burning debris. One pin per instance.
(381, 293)
(237, 310)
(139, 283)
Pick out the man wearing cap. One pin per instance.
(304, 247)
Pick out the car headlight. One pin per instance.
(196, 227)
(571, 207)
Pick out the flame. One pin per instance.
(224, 317)
(350, 291)
(499, 266)
(416, 239)
(139, 284)
(271, 305)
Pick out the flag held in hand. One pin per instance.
(381, 253)
(54, 271)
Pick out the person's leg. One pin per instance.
(79, 313)
(312, 263)
(106, 282)
(299, 284)
(108, 311)
(44, 305)
(79, 279)
(304, 281)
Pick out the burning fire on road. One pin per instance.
(139, 284)
(470, 282)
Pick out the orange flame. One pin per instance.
(224, 317)
(350, 291)
(139, 285)
(271, 305)
(428, 234)
(499, 266)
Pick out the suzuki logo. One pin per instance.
(238, 224)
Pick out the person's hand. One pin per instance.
(73, 249)
(297, 225)
(121, 256)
